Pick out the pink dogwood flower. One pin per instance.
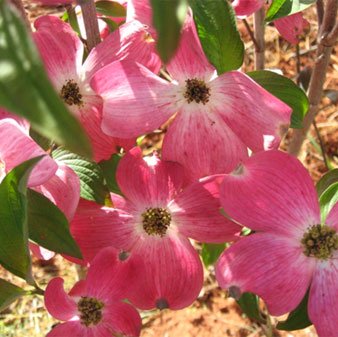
(291, 250)
(54, 180)
(291, 27)
(62, 53)
(217, 118)
(94, 307)
(154, 221)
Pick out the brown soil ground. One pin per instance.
(212, 314)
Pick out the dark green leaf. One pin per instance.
(89, 173)
(326, 180)
(298, 318)
(14, 252)
(109, 168)
(110, 8)
(281, 8)
(42, 141)
(211, 252)
(9, 293)
(327, 200)
(274, 8)
(72, 19)
(287, 91)
(217, 29)
(26, 90)
(49, 227)
(168, 18)
(250, 306)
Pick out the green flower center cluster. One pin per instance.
(70, 93)
(320, 242)
(196, 90)
(156, 221)
(90, 310)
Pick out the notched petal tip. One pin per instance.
(234, 292)
(283, 129)
(239, 170)
(123, 255)
(162, 303)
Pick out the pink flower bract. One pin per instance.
(291, 250)
(217, 117)
(247, 7)
(291, 27)
(62, 52)
(94, 307)
(54, 180)
(154, 222)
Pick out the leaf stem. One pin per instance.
(252, 36)
(36, 291)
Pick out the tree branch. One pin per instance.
(19, 6)
(90, 21)
(259, 28)
(324, 50)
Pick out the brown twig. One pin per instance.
(320, 11)
(20, 7)
(252, 36)
(321, 144)
(259, 30)
(327, 30)
(298, 63)
(90, 21)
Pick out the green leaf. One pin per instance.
(111, 24)
(89, 173)
(14, 252)
(287, 91)
(327, 200)
(109, 168)
(42, 141)
(250, 306)
(326, 180)
(9, 293)
(72, 19)
(110, 8)
(216, 26)
(298, 318)
(281, 8)
(211, 252)
(168, 18)
(26, 90)
(49, 227)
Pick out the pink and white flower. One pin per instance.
(217, 117)
(291, 250)
(62, 53)
(154, 222)
(56, 181)
(94, 307)
(291, 27)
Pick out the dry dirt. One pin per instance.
(213, 314)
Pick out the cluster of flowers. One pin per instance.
(139, 249)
